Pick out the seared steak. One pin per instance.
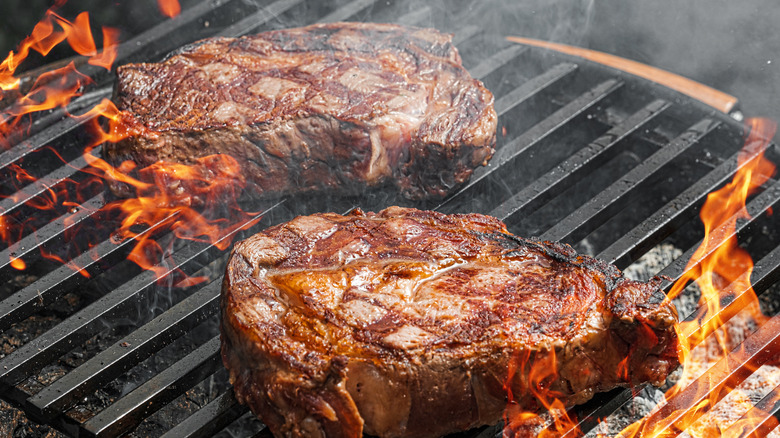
(333, 107)
(408, 322)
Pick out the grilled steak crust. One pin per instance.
(408, 322)
(334, 107)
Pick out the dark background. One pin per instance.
(731, 46)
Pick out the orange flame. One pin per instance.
(58, 87)
(169, 8)
(215, 180)
(541, 370)
(718, 263)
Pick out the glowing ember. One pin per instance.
(169, 8)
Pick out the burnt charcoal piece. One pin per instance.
(332, 107)
(408, 322)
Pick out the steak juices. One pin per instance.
(406, 323)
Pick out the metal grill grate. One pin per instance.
(603, 161)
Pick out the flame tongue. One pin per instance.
(720, 268)
(197, 202)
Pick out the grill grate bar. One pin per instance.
(131, 409)
(255, 20)
(46, 289)
(551, 184)
(734, 298)
(206, 421)
(533, 86)
(598, 208)
(495, 62)
(53, 229)
(765, 273)
(30, 191)
(755, 208)
(768, 409)
(691, 403)
(680, 209)
(27, 359)
(154, 38)
(55, 126)
(346, 11)
(126, 353)
(535, 134)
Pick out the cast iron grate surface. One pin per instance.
(609, 163)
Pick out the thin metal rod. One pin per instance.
(125, 353)
(495, 62)
(533, 86)
(696, 399)
(210, 419)
(562, 176)
(534, 135)
(600, 207)
(767, 410)
(53, 229)
(131, 409)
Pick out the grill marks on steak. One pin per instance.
(406, 322)
(325, 107)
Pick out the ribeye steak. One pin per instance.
(334, 107)
(408, 322)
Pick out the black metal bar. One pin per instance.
(766, 272)
(125, 353)
(157, 33)
(46, 289)
(46, 132)
(535, 134)
(692, 402)
(29, 358)
(733, 298)
(47, 135)
(262, 16)
(533, 86)
(755, 208)
(210, 419)
(767, 409)
(346, 11)
(498, 60)
(562, 176)
(131, 409)
(55, 228)
(600, 207)
(661, 223)
(32, 190)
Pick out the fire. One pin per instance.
(58, 87)
(720, 268)
(169, 8)
(541, 370)
(151, 203)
